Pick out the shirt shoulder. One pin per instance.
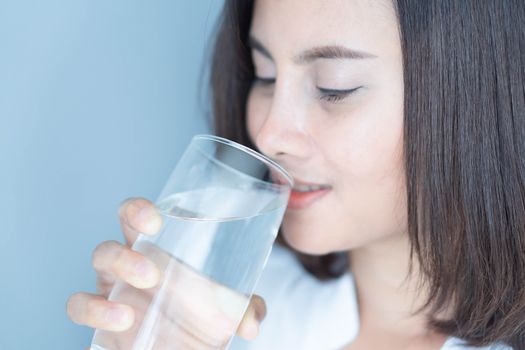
(302, 312)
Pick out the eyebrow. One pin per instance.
(310, 55)
(331, 52)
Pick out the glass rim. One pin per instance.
(257, 155)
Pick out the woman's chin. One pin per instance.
(320, 240)
(307, 242)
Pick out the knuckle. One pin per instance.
(132, 206)
(122, 206)
(70, 304)
(135, 269)
(123, 257)
(73, 305)
(126, 262)
(103, 251)
(92, 311)
(140, 216)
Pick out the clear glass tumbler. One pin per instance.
(221, 210)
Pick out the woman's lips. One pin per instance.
(303, 194)
(303, 199)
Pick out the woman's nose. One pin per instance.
(283, 131)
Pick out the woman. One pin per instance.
(403, 125)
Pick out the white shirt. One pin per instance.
(304, 313)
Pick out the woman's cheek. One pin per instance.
(256, 109)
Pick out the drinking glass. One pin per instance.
(221, 210)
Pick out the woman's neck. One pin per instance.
(388, 296)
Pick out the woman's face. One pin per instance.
(328, 106)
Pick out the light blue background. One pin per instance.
(97, 100)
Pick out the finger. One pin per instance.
(138, 215)
(112, 258)
(96, 312)
(255, 313)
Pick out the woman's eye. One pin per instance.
(264, 81)
(334, 96)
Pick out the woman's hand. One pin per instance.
(115, 261)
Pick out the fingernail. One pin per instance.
(145, 215)
(149, 220)
(115, 315)
(253, 330)
(143, 269)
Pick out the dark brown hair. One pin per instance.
(464, 144)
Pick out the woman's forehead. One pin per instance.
(293, 25)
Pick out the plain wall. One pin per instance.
(98, 98)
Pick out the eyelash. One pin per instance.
(264, 81)
(335, 96)
(329, 95)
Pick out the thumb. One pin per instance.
(254, 315)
